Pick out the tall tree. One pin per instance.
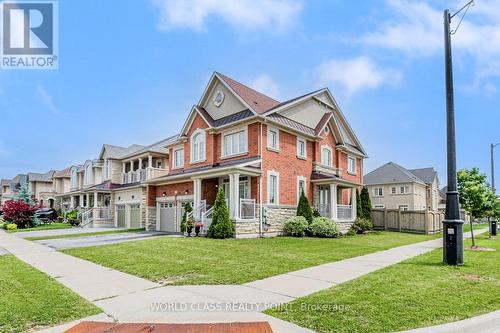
(221, 226)
(25, 195)
(303, 208)
(366, 204)
(472, 193)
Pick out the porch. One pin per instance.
(335, 201)
(94, 208)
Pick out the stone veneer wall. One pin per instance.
(344, 226)
(150, 218)
(276, 216)
(144, 208)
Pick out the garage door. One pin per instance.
(120, 209)
(167, 217)
(135, 216)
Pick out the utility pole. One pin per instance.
(492, 146)
(453, 243)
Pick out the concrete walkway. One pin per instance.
(127, 298)
(94, 240)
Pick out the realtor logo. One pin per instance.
(29, 34)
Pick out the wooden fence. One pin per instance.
(416, 221)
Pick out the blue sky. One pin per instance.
(129, 73)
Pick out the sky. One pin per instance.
(130, 73)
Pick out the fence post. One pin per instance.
(385, 219)
(399, 219)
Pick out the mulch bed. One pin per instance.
(99, 327)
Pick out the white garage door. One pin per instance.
(166, 217)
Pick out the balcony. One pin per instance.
(318, 167)
(142, 174)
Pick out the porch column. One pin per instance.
(354, 210)
(333, 201)
(72, 202)
(81, 200)
(140, 163)
(131, 165)
(196, 194)
(150, 161)
(123, 167)
(95, 199)
(87, 204)
(234, 184)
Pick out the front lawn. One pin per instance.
(85, 234)
(54, 225)
(234, 261)
(415, 293)
(30, 299)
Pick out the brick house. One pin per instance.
(263, 153)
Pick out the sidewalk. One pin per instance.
(127, 298)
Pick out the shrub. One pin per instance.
(221, 226)
(366, 204)
(303, 208)
(324, 227)
(72, 217)
(361, 225)
(295, 226)
(19, 212)
(316, 213)
(2, 224)
(187, 209)
(11, 226)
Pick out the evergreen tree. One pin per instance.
(366, 204)
(359, 208)
(221, 226)
(24, 194)
(304, 209)
(187, 209)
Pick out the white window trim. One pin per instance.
(378, 206)
(349, 157)
(204, 137)
(277, 131)
(404, 207)
(301, 139)
(233, 131)
(331, 155)
(299, 179)
(173, 159)
(377, 193)
(277, 174)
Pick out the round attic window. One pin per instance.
(218, 98)
(327, 130)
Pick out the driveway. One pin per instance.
(59, 232)
(85, 241)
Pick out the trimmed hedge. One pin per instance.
(295, 226)
(324, 227)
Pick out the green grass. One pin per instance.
(85, 234)
(30, 299)
(233, 261)
(54, 225)
(475, 226)
(415, 293)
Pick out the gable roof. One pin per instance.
(41, 177)
(291, 123)
(426, 174)
(391, 173)
(65, 173)
(4, 182)
(157, 147)
(255, 100)
(116, 152)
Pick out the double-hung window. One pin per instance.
(404, 189)
(326, 156)
(351, 165)
(301, 148)
(273, 138)
(198, 146)
(179, 158)
(235, 143)
(378, 191)
(272, 188)
(301, 186)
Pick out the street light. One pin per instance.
(493, 167)
(453, 243)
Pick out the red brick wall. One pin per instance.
(289, 167)
(358, 177)
(169, 190)
(209, 190)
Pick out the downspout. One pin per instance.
(260, 184)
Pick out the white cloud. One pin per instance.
(277, 15)
(353, 75)
(264, 83)
(47, 100)
(416, 29)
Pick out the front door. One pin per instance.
(324, 200)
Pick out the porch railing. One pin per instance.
(324, 210)
(344, 212)
(86, 217)
(247, 209)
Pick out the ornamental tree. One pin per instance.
(304, 209)
(472, 192)
(221, 226)
(366, 204)
(19, 212)
(359, 207)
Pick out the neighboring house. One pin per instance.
(10, 187)
(263, 153)
(108, 190)
(391, 186)
(41, 187)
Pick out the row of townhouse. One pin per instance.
(262, 152)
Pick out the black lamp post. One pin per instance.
(453, 244)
